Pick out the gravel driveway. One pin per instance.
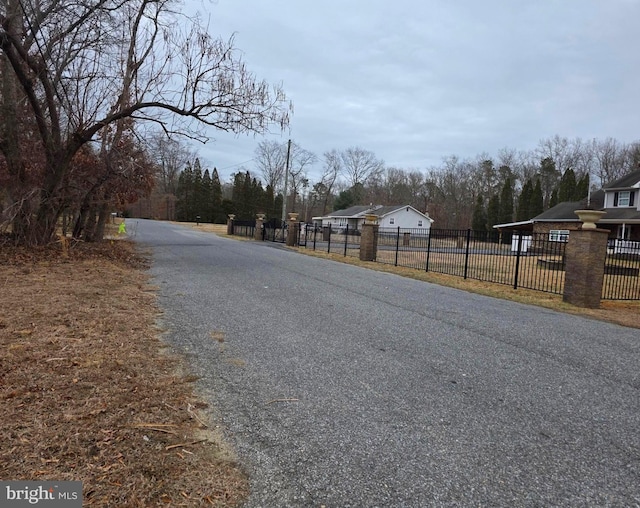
(340, 386)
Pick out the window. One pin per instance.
(559, 235)
(623, 198)
(419, 223)
(392, 221)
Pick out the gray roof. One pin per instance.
(564, 211)
(359, 211)
(350, 212)
(626, 182)
(384, 210)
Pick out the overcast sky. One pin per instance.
(416, 81)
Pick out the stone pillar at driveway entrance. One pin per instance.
(369, 238)
(294, 227)
(584, 267)
(257, 231)
(230, 224)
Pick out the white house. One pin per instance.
(396, 216)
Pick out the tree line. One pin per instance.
(459, 193)
(202, 197)
(477, 193)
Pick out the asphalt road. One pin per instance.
(340, 386)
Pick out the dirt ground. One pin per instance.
(88, 391)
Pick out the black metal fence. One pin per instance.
(622, 271)
(520, 259)
(274, 230)
(243, 228)
(345, 241)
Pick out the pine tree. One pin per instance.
(197, 204)
(238, 196)
(523, 211)
(549, 177)
(506, 203)
(493, 211)
(582, 189)
(217, 213)
(185, 192)
(567, 187)
(205, 190)
(553, 200)
(536, 206)
(479, 219)
(269, 203)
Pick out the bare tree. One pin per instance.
(331, 170)
(271, 158)
(300, 160)
(83, 65)
(169, 155)
(360, 166)
(611, 160)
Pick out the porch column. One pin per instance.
(369, 238)
(294, 227)
(257, 231)
(585, 256)
(230, 219)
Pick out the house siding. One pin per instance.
(404, 219)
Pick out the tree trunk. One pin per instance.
(102, 222)
(90, 225)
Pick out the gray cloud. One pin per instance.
(417, 81)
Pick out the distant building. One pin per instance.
(402, 216)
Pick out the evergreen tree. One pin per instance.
(549, 176)
(269, 207)
(205, 198)
(493, 211)
(185, 192)
(553, 200)
(523, 211)
(582, 189)
(344, 200)
(506, 203)
(536, 206)
(567, 189)
(277, 205)
(246, 206)
(238, 197)
(197, 203)
(479, 219)
(217, 213)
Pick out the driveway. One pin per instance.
(340, 386)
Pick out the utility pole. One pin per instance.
(286, 183)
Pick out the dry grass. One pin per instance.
(88, 394)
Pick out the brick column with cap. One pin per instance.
(369, 238)
(258, 230)
(293, 227)
(584, 261)
(230, 219)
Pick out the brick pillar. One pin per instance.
(257, 231)
(584, 273)
(369, 239)
(230, 224)
(293, 226)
